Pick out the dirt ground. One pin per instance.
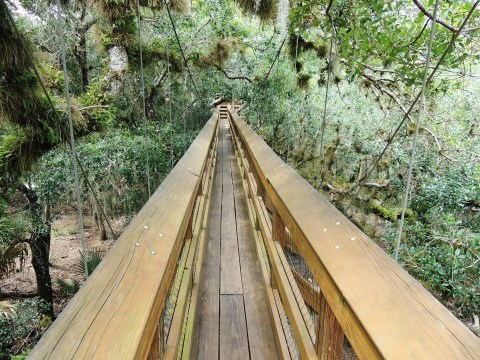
(64, 254)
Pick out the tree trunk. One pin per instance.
(40, 247)
(118, 67)
(81, 57)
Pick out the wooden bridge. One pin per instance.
(235, 256)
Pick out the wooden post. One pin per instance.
(156, 351)
(278, 229)
(189, 231)
(330, 335)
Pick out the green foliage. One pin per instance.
(446, 260)
(12, 233)
(449, 192)
(22, 356)
(22, 328)
(94, 257)
(72, 287)
(95, 103)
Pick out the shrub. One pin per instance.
(22, 328)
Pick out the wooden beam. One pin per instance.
(302, 335)
(385, 313)
(115, 313)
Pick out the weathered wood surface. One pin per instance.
(260, 335)
(232, 319)
(205, 333)
(233, 328)
(280, 274)
(275, 316)
(230, 276)
(115, 313)
(384, 312)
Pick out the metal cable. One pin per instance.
(407, 114)
(54, 109)
(181, 49)
(144, 113)
(417, 127)
(72, 140)
(323, 125)
(170, 106)
(290, 118)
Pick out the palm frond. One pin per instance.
(94, 257)
(9, 255)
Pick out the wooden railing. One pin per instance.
(333, 292)
(134, 305)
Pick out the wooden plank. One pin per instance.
(302, 335)
(330, 336)
(260, 332)
(173, 342)
(233, 328)
(366, 290)
(230, 276)
(107, 317)
(282, 347)
(194, 301)
(205, 333)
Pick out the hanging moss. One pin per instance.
(303, 81)
(176, 5)
(298, 66)
(321, 81)
(264, 9)
(322, 51)
(303, 45)
(220, 52)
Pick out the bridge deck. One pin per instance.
(233, 320)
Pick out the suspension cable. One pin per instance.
(72, 139)
(144, 113)
(62, 131)
(170, 106)
(417, 127)
(181, 49)
(407, 114)
(323, 125)
(290, 118)
(274, 60)
(184, 117)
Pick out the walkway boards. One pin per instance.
(233, 320)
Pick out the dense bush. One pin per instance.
(21, 326)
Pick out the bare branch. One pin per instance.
(231, 77)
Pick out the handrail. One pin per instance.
(117, 312)
(383, 311)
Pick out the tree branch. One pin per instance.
(419, 34)
(231, 77)
(429, 15)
